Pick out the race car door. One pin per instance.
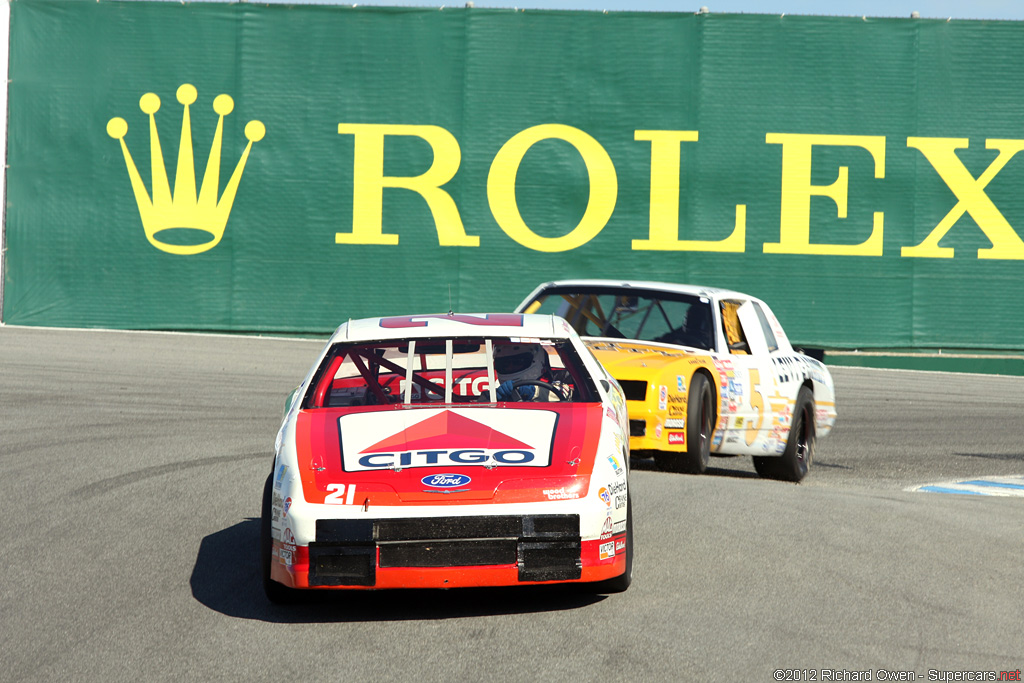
(749, 394)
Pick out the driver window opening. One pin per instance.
(380, 374)
(734, 336)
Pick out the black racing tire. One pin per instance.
(621, 582)
(796, 460)
(277, 593)
(700, 425)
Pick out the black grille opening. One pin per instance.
(342, 566)
(344, 531)
(550, 560)
(544, 547)
(634, 389)
(551, 525)
(440, 528)
(637, 427)
(461, 553)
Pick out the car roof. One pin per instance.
(443, 325)
(695, 290)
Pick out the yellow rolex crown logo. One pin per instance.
(185, 208)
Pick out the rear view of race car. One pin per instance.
(445, 451)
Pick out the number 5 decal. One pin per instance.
(757, 403)
(338, 497)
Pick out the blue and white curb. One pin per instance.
(983, 486)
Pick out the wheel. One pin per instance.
(275, 592)
(700, 420)
(620, 583)
(796, 459)
(534, 383)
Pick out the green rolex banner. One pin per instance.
(281, 168)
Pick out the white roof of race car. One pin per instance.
(453, 325)
(695, 290)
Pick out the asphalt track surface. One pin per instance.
(133, 465)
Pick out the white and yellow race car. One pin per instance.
(705, 372)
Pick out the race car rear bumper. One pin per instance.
(448, 552)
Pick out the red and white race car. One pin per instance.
(450, 450)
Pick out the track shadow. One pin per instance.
(226, 578)
(648, 465)
(992, 456)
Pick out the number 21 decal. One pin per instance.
(340, 494)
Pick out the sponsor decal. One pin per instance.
(607, 550)
(662, 397)
(445, 481)
(680, 384)
(677, 438)
(287, 506)
(657, 431)
(616, 467)
(619, 527)
(285, 554)
(447, 437)
(279, 476)
(620, 545)
(617, 492)
(605, 496)
(275, 509)
(675, 423)
(561, 494)
(607, 528)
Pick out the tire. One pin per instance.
(796, 460)
(700, 423)
(620, 583)
(277, 593)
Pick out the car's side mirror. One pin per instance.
(605, 385)
(291, 399)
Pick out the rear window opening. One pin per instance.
(440, 371)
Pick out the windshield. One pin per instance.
(433, 371)
(645, 315)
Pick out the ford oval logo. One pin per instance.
(446, 481)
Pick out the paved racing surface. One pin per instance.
(133, 465)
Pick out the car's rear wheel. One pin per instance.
(275, 592)
(700, 421)
(620, 583)
(796, 459)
